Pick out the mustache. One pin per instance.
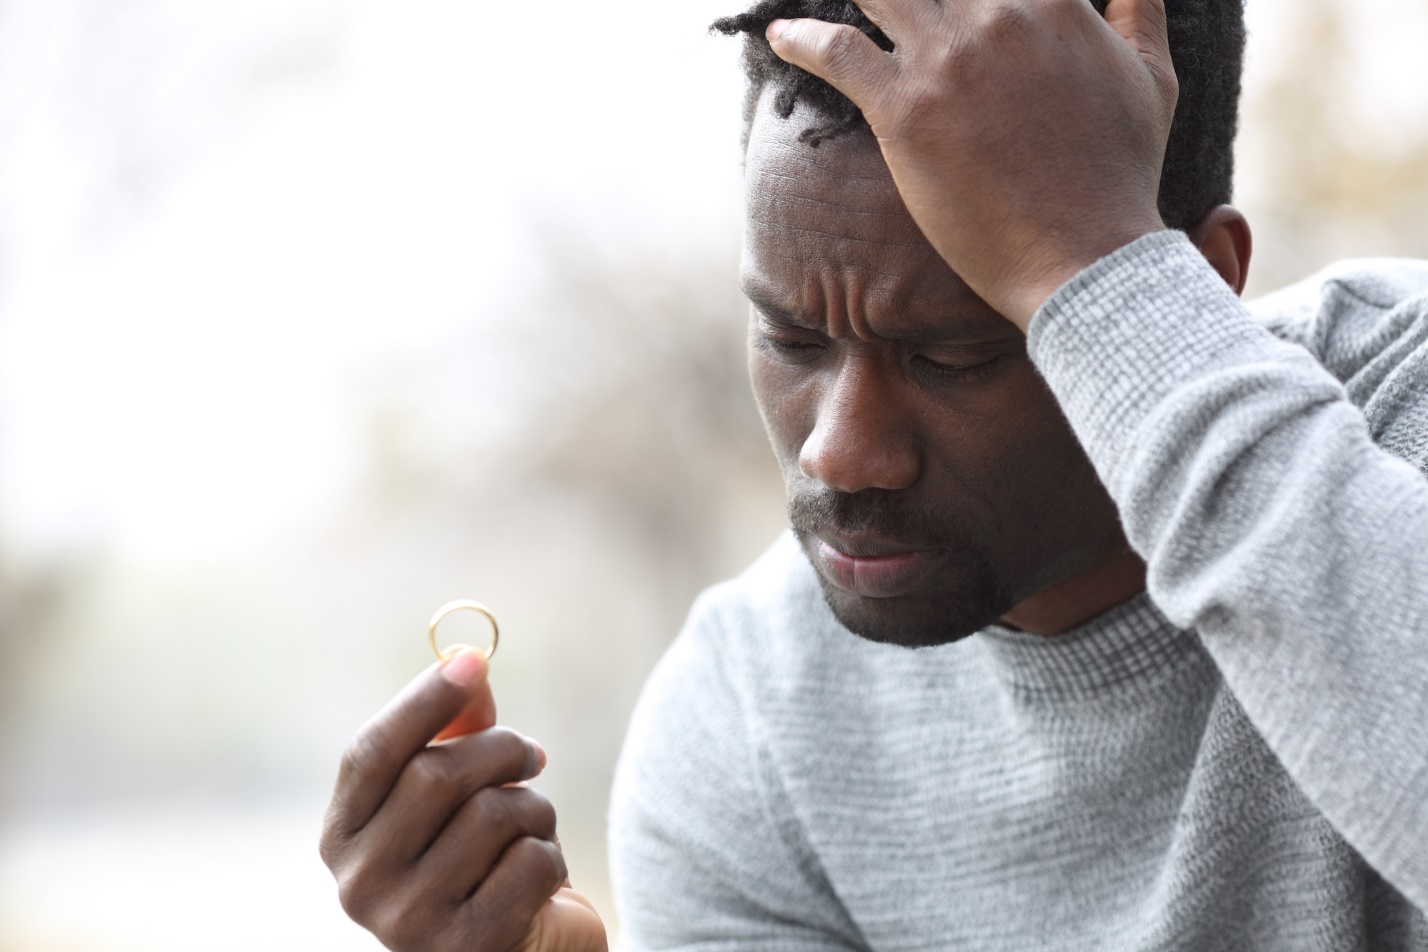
(880, 512)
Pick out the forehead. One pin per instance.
(826, 228)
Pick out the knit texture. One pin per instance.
(1237, 760)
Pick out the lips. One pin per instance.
(877, 568)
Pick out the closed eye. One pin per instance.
(788, 349)
(957, 372)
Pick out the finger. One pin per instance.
(1142, 23)
(838, 54)
(478, 714)
(572, 917)
(566, 884)
(383, 746)
(437, 781)
(503, 909)
(471, 845)
(901, 20)
(566, 894)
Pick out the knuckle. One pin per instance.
(540, 814)
(530, 812)
(357, 891)
(405, 923)
(1000, 21)
(918, 105)
(431, 774)
(364, 755)
(555, 856)
(329, 846)
(949, 64)
(545, 818)
(402, 918)
(507, 742)
(509, 751)
(508, 814)
(493, 809)
(541, 860)
(837, 50)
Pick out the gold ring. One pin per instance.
(461, 604)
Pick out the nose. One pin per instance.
(862, 437)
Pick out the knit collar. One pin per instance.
(1131, 645)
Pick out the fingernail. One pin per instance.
(464, 668)
(775, 29)
(539, 752)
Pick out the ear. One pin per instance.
(1223, 237)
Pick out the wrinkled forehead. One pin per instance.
(831, 217)
(842, 188)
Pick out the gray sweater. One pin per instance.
(1238, 760)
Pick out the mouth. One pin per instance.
(873, 567)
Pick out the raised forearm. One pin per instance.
(1270, 523)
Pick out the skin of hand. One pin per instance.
(435, 839)
(1025, 136)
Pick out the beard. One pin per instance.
(966, 596)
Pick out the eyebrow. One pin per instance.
(923, 331)
(779, 314)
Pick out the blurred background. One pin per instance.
(315, 315)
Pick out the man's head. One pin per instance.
(905, 414)
(1207, 40)
(932, 479)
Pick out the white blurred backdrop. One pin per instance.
(315, 315)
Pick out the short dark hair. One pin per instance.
(1207, 41)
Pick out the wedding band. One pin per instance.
(461, 604)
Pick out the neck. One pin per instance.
(1073, 602)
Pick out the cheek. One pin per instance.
(1047, 482)
(785, 407)
(1010, 445)
(1047, 437)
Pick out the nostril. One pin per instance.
(864, 436)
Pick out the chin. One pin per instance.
(921, 621)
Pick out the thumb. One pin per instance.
(836, 53)
(1142, 24)
(468, 669)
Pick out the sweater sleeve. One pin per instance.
(705, 851)
(1271, 523)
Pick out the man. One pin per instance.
(1193, 716)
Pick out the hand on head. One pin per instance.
(1025, 136)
